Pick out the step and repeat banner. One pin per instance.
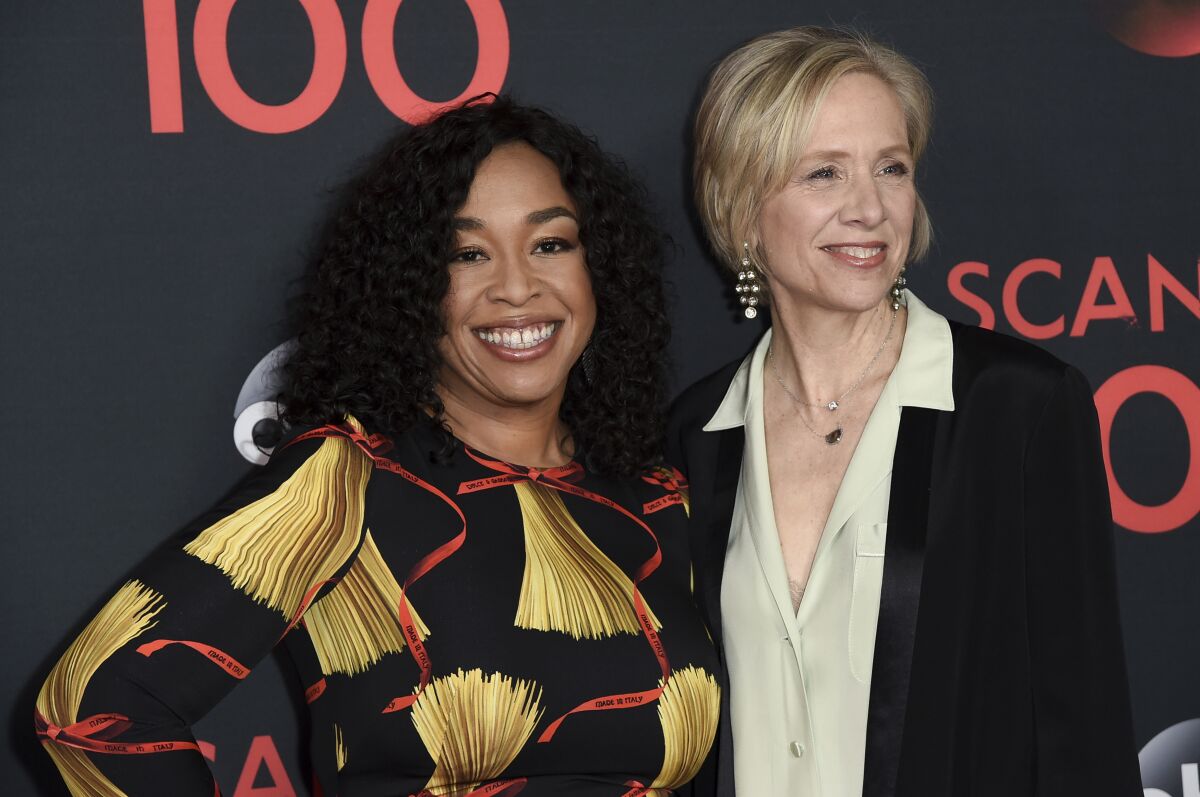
(167, 165)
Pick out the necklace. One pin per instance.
(834, 437)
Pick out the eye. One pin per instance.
(894, 170)
(824, 173)
(551, 246)
(468, 256)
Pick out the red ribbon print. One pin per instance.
(671, 480)
(497, 788)
(374, 446)
(215, 655)
(312, 693)
(92, 734)
(558, 479)
(650, 507)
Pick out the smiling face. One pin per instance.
(519, 310)
(837, 234)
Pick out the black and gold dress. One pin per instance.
(456, 629)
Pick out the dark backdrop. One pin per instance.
(153, 219)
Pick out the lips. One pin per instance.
(866, 254)
(521, 338)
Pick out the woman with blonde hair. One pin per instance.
(901, 524)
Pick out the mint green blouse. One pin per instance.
(800, 681)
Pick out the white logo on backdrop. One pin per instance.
(256, 426)
(1171, 762)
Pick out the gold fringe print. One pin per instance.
(339, 747)
(569, 584)
(688, 710)
(474, 726)
(357, 623)
(284, 543)
(122, 619)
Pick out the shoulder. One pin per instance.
(697, 403)
(691, 411)
(1011, 376)
(344, 444)
(985, 355)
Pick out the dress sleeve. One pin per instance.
(1083, 727)
(115, 713)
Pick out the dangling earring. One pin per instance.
(897, 286)
(747, 285)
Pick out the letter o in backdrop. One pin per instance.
(379, 55)
(211, 47)
(1185, 395)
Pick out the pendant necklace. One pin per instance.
(834, 437)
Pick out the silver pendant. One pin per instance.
(834, 437)
(831, 406)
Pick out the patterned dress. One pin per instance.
(460, 628)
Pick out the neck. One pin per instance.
(821, 352)
(532, 436)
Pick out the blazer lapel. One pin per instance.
(715, 501)
(904, 556)
(714, 491)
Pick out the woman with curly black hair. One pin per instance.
(372, 329)
(468, 544)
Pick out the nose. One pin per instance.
(514, 280)
(864, 203)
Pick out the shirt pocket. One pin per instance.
(864, 599)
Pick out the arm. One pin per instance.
(1082, 723)
(115, 712)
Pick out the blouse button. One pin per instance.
(797, 749)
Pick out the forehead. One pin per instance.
(515, 175)
(860, 112)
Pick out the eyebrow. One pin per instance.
(834, 154)
(469, 223)
(547, 214)
(466, 223)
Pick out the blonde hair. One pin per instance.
(758, 111)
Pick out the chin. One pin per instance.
(860, 301)
(523, 391)
(521, 398)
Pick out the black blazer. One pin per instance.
(999, 669)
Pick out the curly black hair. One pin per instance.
(371, 315)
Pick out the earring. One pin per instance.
(897, 286)
(747, 285)
(588, 363)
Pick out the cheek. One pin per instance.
(788, 223)
(575, 288)
(464, 293)
(453, 309)
(585, 306)
(903, 211)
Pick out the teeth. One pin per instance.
(860, 252)
(524, 338)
